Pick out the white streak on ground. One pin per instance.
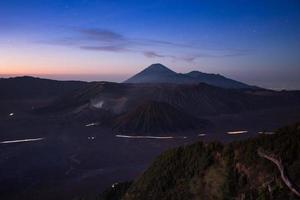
(236, 132)
(19, 141)
(266, 133)
(92, 124)
(148, 137)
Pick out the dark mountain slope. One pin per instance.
(30, 87)
(217, 80)
(84, 98)
(215, 171)
(155, 118)
(158, 73)
(197, 100)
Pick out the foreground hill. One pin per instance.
(158, 73)
(240, 170)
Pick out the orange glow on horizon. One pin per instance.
(44, 61)
(16, 70)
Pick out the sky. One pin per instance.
(254, 41)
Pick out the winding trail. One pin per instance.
(283, 172)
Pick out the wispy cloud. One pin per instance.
(105, 48)
(102, 35)
(192, 58)
(152, 54)
(97, 39)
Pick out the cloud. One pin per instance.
(192, 58)
(65, 41)
(105, 48)
(105, 35)
(101, 35)
(98, 39)
(150, 42)
(152, 54)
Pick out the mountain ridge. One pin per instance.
(158, 73)
(35, 87)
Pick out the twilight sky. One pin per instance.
(255, 41)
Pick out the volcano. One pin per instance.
(158, 73)
(156, 117)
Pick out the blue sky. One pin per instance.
(253, 41)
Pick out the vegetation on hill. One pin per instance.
(116, 191)
(217, 171)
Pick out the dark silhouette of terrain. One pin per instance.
(155, 118)
(127, 105)
(23, 94)
(32, 87)
(79, 152)
(158, 73)
(216, 171)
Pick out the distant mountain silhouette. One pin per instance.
(158, 73)
(217, 80)
(32, 87)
